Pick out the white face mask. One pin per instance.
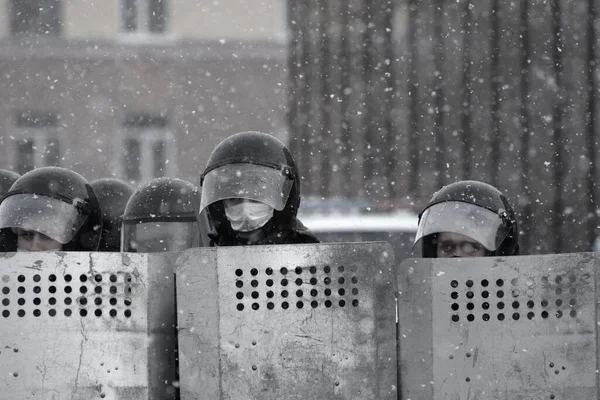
(248, 216)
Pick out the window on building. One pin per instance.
(149, 148)
(133, 156)
(35, 17)
(26, 155)
(38, 144)
(143, 16)
(159, 148)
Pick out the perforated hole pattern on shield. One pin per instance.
(296, 287)
(32, 295)
(524, 299)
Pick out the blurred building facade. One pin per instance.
(391, 100)
(137, 88)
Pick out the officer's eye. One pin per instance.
(26, 234)
(470, 247)
(446, 247)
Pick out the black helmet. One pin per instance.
(7, 178)
(113, 195)
(254, 166)
(161, 216)
(56, 202)
(474, 209)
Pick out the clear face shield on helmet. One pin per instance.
(159, 236)
(51, 217)
(478, 223)
(247, 181)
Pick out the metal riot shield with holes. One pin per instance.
(498, 328)
(87, 326)
(287, 322)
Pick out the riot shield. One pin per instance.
(287, 322)
(87, 326)
(498, 328)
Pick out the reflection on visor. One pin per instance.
(246, 181)
(467, 219)
(159, 236)
(52, 217)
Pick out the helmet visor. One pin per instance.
(54, 218)
(246, 181)
(467, 219)
(158, 236)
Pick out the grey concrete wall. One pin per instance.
(261, 20)
(90, 19)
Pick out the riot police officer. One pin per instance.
(468, 219)
(162, 215)
(51, 209)
(113, 195)
(251, 189)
